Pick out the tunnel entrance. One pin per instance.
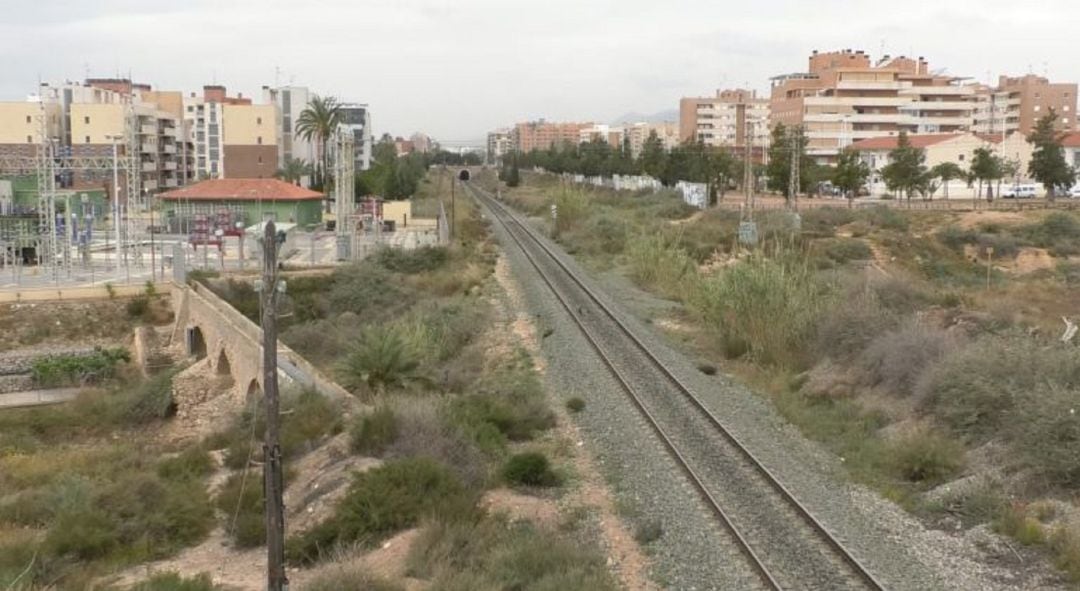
(463, 175)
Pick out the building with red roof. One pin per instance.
(245, 201)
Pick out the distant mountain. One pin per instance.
(660, 116)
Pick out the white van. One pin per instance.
(1018, 192)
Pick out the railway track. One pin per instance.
(779, 538)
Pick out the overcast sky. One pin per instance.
(458, 68)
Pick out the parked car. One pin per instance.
(1018, 192)
(1075, 192)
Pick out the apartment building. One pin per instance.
(499, 143)
(95, 127)
(612, 135)
(724, 119)
(637, 133)
(843, 98)
(356, 117)
(541, 135)
(249, 141)
(291, 101)
(1017, 103)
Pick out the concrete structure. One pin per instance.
(245, 200)
(356, 117)
(721, 120)
(1016, 103)
(957, 148)
(844, 98)
(1070, 143)
(541, 135)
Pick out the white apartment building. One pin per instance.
(499, 143)
(724, 119)
(291, 101)
(637, 133)
(205, 120)
(356, 117)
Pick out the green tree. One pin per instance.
(510, 174)
(906, 171)
(1048, 164)
(947, 171)
(318, 121)
(850, 174)
(986, 167)
(294, 170)
(653, 156)
(784, 142)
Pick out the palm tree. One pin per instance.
(294, 170)
(318, 121)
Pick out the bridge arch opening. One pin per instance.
(223, 366)
(463, 175)
(196, 343)
(253, 390)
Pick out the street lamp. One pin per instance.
(221, 247)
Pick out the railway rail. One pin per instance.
(783, 542)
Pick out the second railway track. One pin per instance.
(776, 534)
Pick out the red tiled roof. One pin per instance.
(889, 142)
(243, 190)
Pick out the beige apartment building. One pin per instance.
(499, 143)
(844, 98)
(637, 133)
(22, 124)
(249, 141)
(724, 119)
(1017, 103)
(541, 135)
(95, 127)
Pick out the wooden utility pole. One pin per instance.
(453, 207)
(272, 476)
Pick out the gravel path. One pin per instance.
(691, 553)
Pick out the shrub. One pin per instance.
(509, 404)
(373, 431)
(975, 388)
(824, 221)
(846, 328)
(410, 262)
(575, 405)
(78, 370)
(318, 341)
(152, 399)
(349, 577)
(1004, 245)
(900, 295)
(885, 217)
(307, 417)
(1017, 524)
(926, 457)
(493, 554)
(769, 306)
(657, 263)
(648, 531)
(573, 209)
(1056, 229)
(843, 250)
(368, 291)
(192, 463)
(240, 501)
(529, 469)
(383, 500)
(1047, 430)
(172, 581)
(378, 360)
(138, 307)
(955, 238)
(1064, 542)
(895, 360)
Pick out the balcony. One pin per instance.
(149, 166)
(868, 85)
(169, 165)
(148, 129)
(150, 185)
(940, 106)
(862, 101)
(168, 148)
(147, 148)
(170, 183)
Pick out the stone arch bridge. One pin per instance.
(208, 326)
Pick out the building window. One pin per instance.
(258, 140)
(86, 120)
(29, 119)
(88, 139)
(258, 121)
(961, 156)
(29, 140)
(260, 159)
(1037, 108)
